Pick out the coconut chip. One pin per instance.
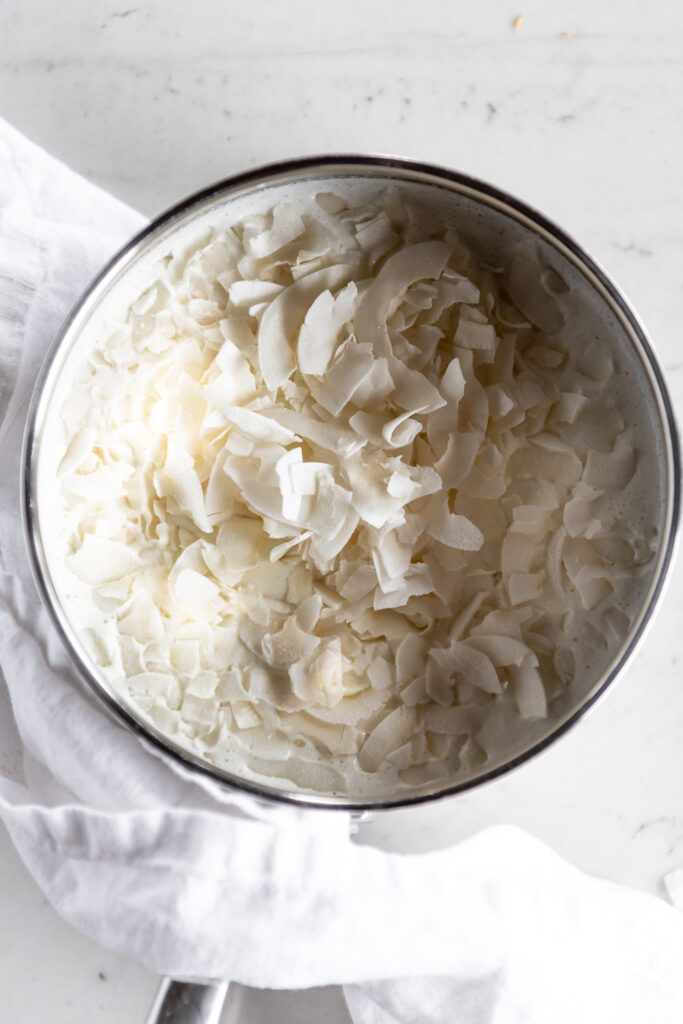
(336, 493)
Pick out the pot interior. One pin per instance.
(495, 227)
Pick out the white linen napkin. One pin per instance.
(198, 882)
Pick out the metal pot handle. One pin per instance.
(188, 1002)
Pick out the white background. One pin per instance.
(579, 111)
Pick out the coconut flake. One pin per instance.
(452, 384)
(568, 407)
(595, 364)
(416, 583)
(99, 561)
(612, 470)
(471, 666)
(193, 588)
(140, 618)
(577, 517)
(501, 650)
(401, 431)
(261, 428)
(456, 463)
(286, 225)
(247, 293)
(344, 377)
(524, 586)
(529, 691)
(425, 260)
(410, 658)
(331, 436)
(438, 677)
(376, 387)
(156, 685)
(319, 333)
(284, 317)
(370, 498)
(381, 674)
(475, 335)
(236, 381)
(452, 529)
(79, 448)
(386, 737)
(289, 645)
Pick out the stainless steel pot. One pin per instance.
(495, 223)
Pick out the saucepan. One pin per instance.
(495, 224)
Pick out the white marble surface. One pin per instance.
(577, 111)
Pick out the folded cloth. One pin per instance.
(199, 882)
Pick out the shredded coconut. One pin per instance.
(336, 495)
